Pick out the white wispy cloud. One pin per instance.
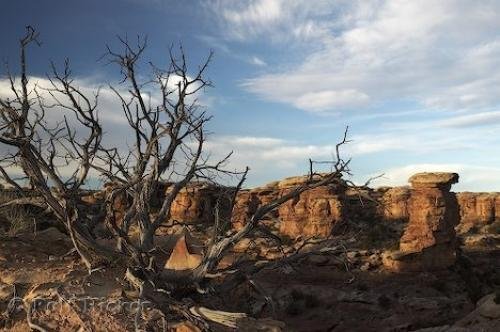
(279, 20)
(109, 103)
(221, 46)
(471, 120)
(331, 99)
(255, 60)
(271, 158)
(441, 55)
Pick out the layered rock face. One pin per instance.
(197, 203)
(429, 240)
(394, 203)
(313, 213)
(433, 212)
(247, 202)
(477, 209)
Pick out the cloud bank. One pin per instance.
(441, 55)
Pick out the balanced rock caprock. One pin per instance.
(429, 241)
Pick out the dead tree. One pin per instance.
(169, 137)
(39, 149)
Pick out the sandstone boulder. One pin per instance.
(186, 327)
(181, 258)
(433, 180)
(486, 316)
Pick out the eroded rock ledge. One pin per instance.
(318, 211)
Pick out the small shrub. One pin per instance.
(21, 220)
(494, 228)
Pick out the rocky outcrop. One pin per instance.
(477, 209)
(394, 203)
(429, 240)
(313, 213)
(197, 203)
(247, 202)
(182, 257)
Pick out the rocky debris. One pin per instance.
(489, 306)
(481, 240)
(181, 257)
(486, 316)
(429, 241)
(363, 260)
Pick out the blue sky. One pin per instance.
(418, 82)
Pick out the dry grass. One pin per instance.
(16, 219)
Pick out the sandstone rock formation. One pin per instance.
(181, 258)
(313, 213)
(247, 202)
(394, 203)
(197, 202)
(477, 209)
(429, 241)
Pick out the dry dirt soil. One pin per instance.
(347, 292)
